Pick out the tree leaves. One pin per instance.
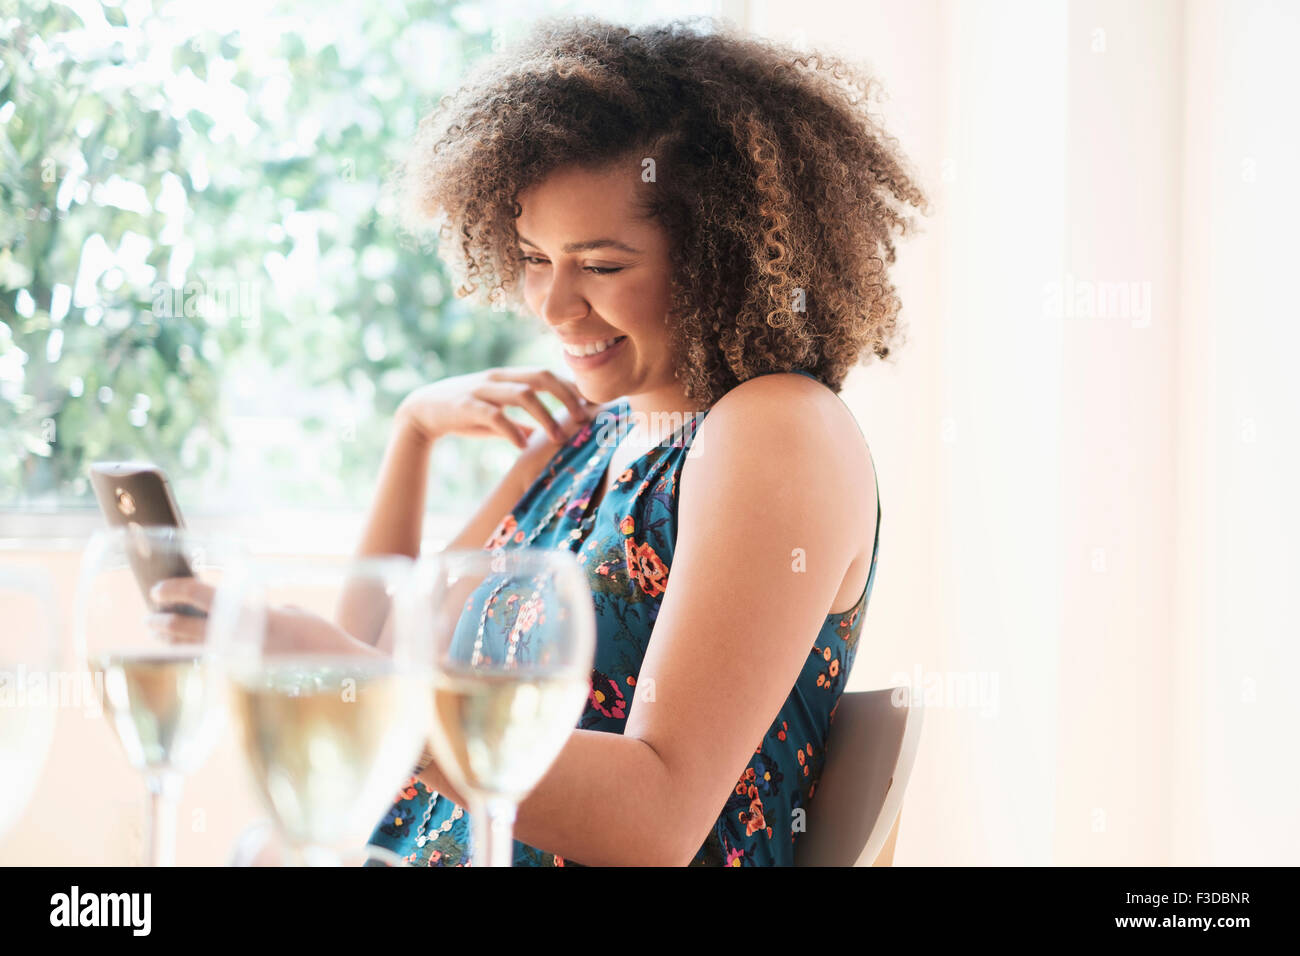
(273, 289)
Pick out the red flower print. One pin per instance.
(627, 525)
(606, 696)
(753, 820)
(744, 784)
(645, 568)
(502, 533)
(529, 615)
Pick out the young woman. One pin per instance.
(704, 221)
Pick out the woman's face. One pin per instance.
(597, 274)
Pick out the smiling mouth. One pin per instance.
(592, 348)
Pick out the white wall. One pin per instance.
(1238, 464)
(1086, 509)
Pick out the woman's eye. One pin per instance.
(594, 270)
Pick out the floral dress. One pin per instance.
(628, 553)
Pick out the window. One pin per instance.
(195, 268)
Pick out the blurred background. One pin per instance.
(1086, 445)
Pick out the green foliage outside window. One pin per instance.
(195, 266)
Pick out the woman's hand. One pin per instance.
(289, 629)
(476, 404)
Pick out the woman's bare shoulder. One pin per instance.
(794, 411)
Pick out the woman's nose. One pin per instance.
(562, 304)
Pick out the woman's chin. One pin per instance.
(599, 387)
(601, 395)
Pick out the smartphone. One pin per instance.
(134, 494)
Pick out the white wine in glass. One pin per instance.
(261, 843)
(512, 636)
(500, 731)
(160, 695)
(162, 706)
(330, 720)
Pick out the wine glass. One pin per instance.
(330, 697)
(513, 637)
(262, 844)
(28, 662)
(160, 696)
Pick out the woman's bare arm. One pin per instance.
(650, 795)
(396, 520)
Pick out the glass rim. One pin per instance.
(529, 555)
(430, 569)
(341, 562)
(260, 571)
(108, 536)
(111, 548)
(18, 543)
(430, 577)
(157, 531)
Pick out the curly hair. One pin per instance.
(779, 192)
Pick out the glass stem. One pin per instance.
(311, 854)
(164, 797)
(494, 826)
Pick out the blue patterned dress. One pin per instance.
(627, 553)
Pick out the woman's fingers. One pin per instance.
(493, 418)
(567, 392)
(544, 380)
(522, 394)
(177, 628)
(501, 388)
(189, 591)
(180, 628)
(502, 394)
